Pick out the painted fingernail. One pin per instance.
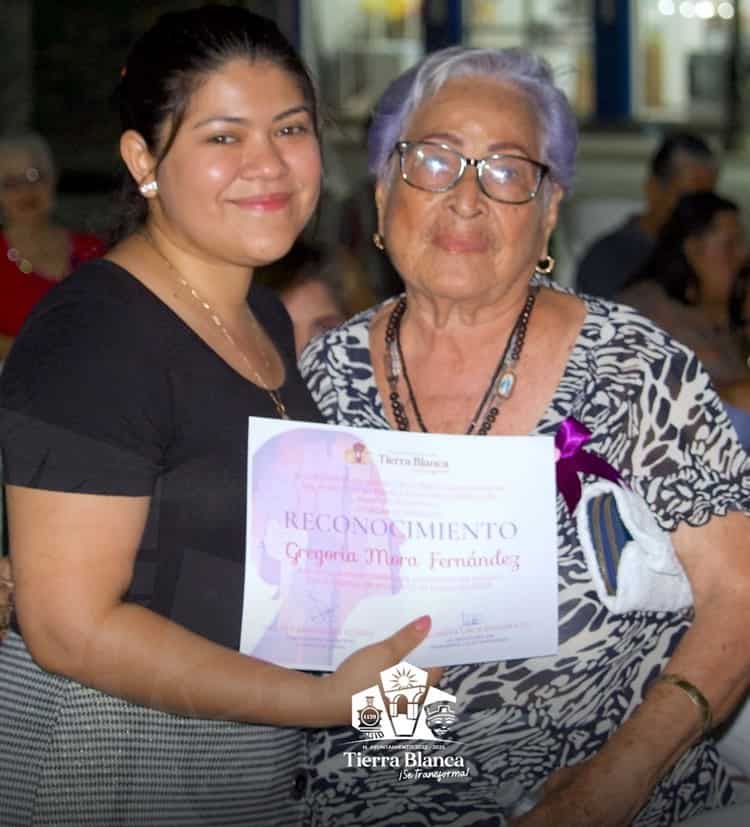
(423, 623)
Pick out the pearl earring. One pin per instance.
(148, 189)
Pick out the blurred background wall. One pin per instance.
(631, 68)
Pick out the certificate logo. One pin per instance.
(358, 454)
(407, 708)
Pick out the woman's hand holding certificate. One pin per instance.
(363, 668)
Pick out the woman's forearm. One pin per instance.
(713, 655)
(133, 653)
(73, 557)
(613, 785)
(610, 788)
(147, 659)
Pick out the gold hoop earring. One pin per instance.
(545, 265)
(378, 241)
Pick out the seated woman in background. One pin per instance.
(35, 251)
(686, 286)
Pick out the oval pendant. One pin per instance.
(395, 360)
(505, 384)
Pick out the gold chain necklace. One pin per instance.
(217, 320)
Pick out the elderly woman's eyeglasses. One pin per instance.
(433, 167)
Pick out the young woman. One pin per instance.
(123, 427)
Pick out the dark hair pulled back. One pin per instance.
(172, 59)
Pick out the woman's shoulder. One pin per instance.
(615, 323)
(100, 341)
(87, 375)
(622, 354)
(610, 324)
(96, 283)
(99, 307)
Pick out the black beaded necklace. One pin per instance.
(499, 389)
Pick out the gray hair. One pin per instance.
(35, 145)
(529, 73)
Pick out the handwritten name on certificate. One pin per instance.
(353, 532)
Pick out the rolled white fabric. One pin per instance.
(649, 575)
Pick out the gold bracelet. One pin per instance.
(695, 695)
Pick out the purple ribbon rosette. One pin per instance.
(572, 460)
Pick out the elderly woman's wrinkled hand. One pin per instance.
(6, 595)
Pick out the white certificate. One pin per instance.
(354, 532)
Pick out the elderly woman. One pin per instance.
(473, 152)
(35, 251)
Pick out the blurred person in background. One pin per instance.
(687, 285)
(35, 251)
(320, 287)
(682, 164)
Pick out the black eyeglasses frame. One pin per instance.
(478, 163)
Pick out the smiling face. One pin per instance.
(460, 244)
(242, 176)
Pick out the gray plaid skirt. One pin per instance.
(73, 756)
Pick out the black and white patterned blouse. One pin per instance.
(656, 418)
